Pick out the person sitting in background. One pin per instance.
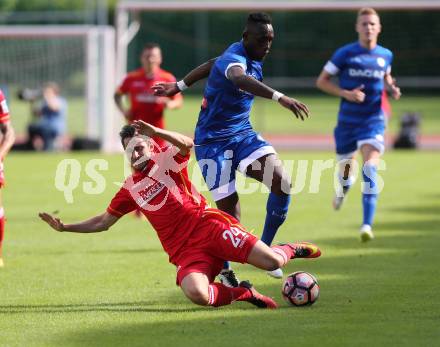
(51, 121)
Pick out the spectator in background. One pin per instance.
(51, 118)
(137, 85)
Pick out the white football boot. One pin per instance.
(277, 273)
(366, 233)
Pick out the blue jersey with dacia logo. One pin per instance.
(225, 108)
(355, 66)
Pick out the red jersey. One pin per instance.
(166, 196)
(4, 111)
(144, 105)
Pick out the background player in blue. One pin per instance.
(363, 67)
(224, 138)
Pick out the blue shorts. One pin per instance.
(350, 137)
(219, 160)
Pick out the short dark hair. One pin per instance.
(259, 18)
(127, 131)
(150, 45)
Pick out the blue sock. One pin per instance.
(276, 209)
(369, 193)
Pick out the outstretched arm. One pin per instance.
(95, 224)
(172, 88)
(249, 84)
(184, 143)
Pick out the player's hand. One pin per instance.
(165, 89)
(299, 109)
(356, 95)
(395, 91)
(144, 128)
(55, 223)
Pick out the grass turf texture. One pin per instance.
(117, 288)
(267, 116)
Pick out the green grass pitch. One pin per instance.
(117, 288)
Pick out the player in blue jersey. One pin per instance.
(363, 67)
(225, 141)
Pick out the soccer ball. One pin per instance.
(300, 288)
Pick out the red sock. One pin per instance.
(220, 295)
(2, 226)
(284, 251)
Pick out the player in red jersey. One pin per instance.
(196, 238)
(7, 139)
(137, 85)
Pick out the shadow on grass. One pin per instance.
(136, 306)
(97, 251)
(245, 330)
(430, 209)
(288, 326)
(434, 196)
(421, 225)
(386, 231)
(127, 251)
(394, 236)
(350, 296)
(359, 281)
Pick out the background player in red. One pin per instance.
(7, 138)
(137, 85)
(196, 238)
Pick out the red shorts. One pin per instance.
(218, 237)
(2, 175)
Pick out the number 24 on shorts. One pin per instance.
(235, 235)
